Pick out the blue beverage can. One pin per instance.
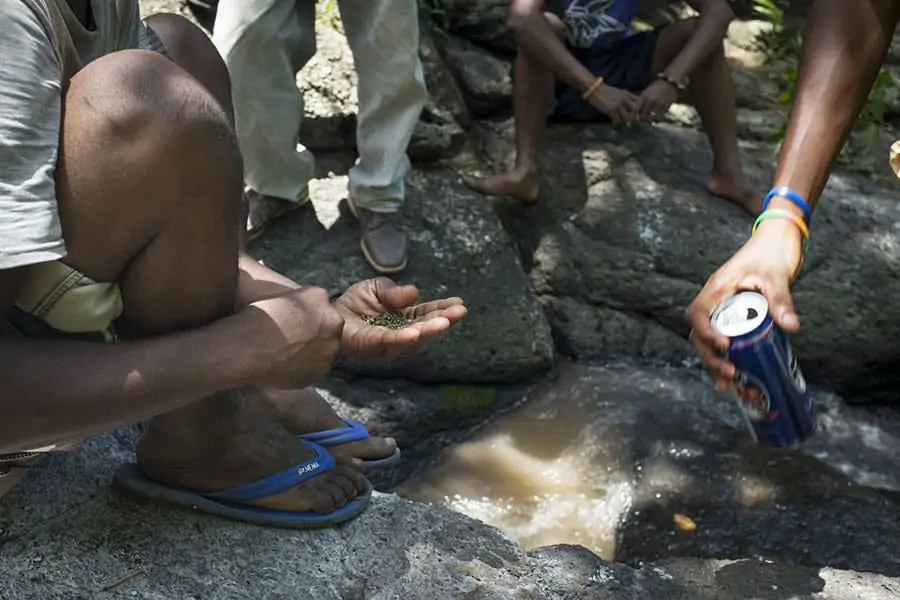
(769, 386)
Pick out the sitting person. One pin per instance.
(605, 71)
(120, 211)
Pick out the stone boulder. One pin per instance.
(625, 236)
(457, 248)
(67, 536)
(484, 78)
(329, 81)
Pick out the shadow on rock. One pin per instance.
(625, 235)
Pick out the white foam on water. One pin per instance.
(539, 475)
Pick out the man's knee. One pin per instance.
(133, 90)
(180, 36)
(521, 19)
(136, 116)
(556, 23)
(194, 52)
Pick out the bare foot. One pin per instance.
(736, 189)
(306, 411)
(523, 186)
(236, 444)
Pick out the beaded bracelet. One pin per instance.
(776, 213)
(790, 195)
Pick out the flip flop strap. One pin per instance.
(279, 482)
(353, 432)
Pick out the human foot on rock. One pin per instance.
(736, 188)
(245, 447)
(306, 411)
(521, 185)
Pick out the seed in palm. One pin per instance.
(390, 320)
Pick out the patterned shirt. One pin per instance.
(598, 22)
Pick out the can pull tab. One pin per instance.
(752, 313)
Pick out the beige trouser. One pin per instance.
(58, 302)
(266, 42)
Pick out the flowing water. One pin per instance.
(599, 445)
(543, 473)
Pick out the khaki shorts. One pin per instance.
(59, 302)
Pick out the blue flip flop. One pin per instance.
(227, 503)
(353, 432)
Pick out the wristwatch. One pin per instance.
(678, 85)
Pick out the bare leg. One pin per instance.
(532, 99)
(149, 183)
(712, 94)
(194, 52)
(298, 411)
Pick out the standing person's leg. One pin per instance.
(148, 185)
(384, 38)
(533, 96)
(264, 44)
(711, 92)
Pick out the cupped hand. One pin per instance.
(617, 104)
(381, 295)
(655, 100)
(767, 263)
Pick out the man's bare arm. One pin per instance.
(844, 46)
(712, 26)
(256, 281)
(541, 43)
(59, 390)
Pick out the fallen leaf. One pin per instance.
(684, 523)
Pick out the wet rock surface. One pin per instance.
(66, 535)
(611, 256)
(657, 443)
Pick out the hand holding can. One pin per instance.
(767, 262)
(770, 389)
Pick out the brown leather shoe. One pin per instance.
(383, 243)
(262, 210)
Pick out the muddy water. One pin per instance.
(544, 474)
(620, 453)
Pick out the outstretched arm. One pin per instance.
(844, 46)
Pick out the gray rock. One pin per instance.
(78, 540)
(423, 419)
(481, 21)
(328, 83)
(441, 131)
(626, 226)
(485, 78)
(457, 248)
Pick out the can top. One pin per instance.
(741, 314)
